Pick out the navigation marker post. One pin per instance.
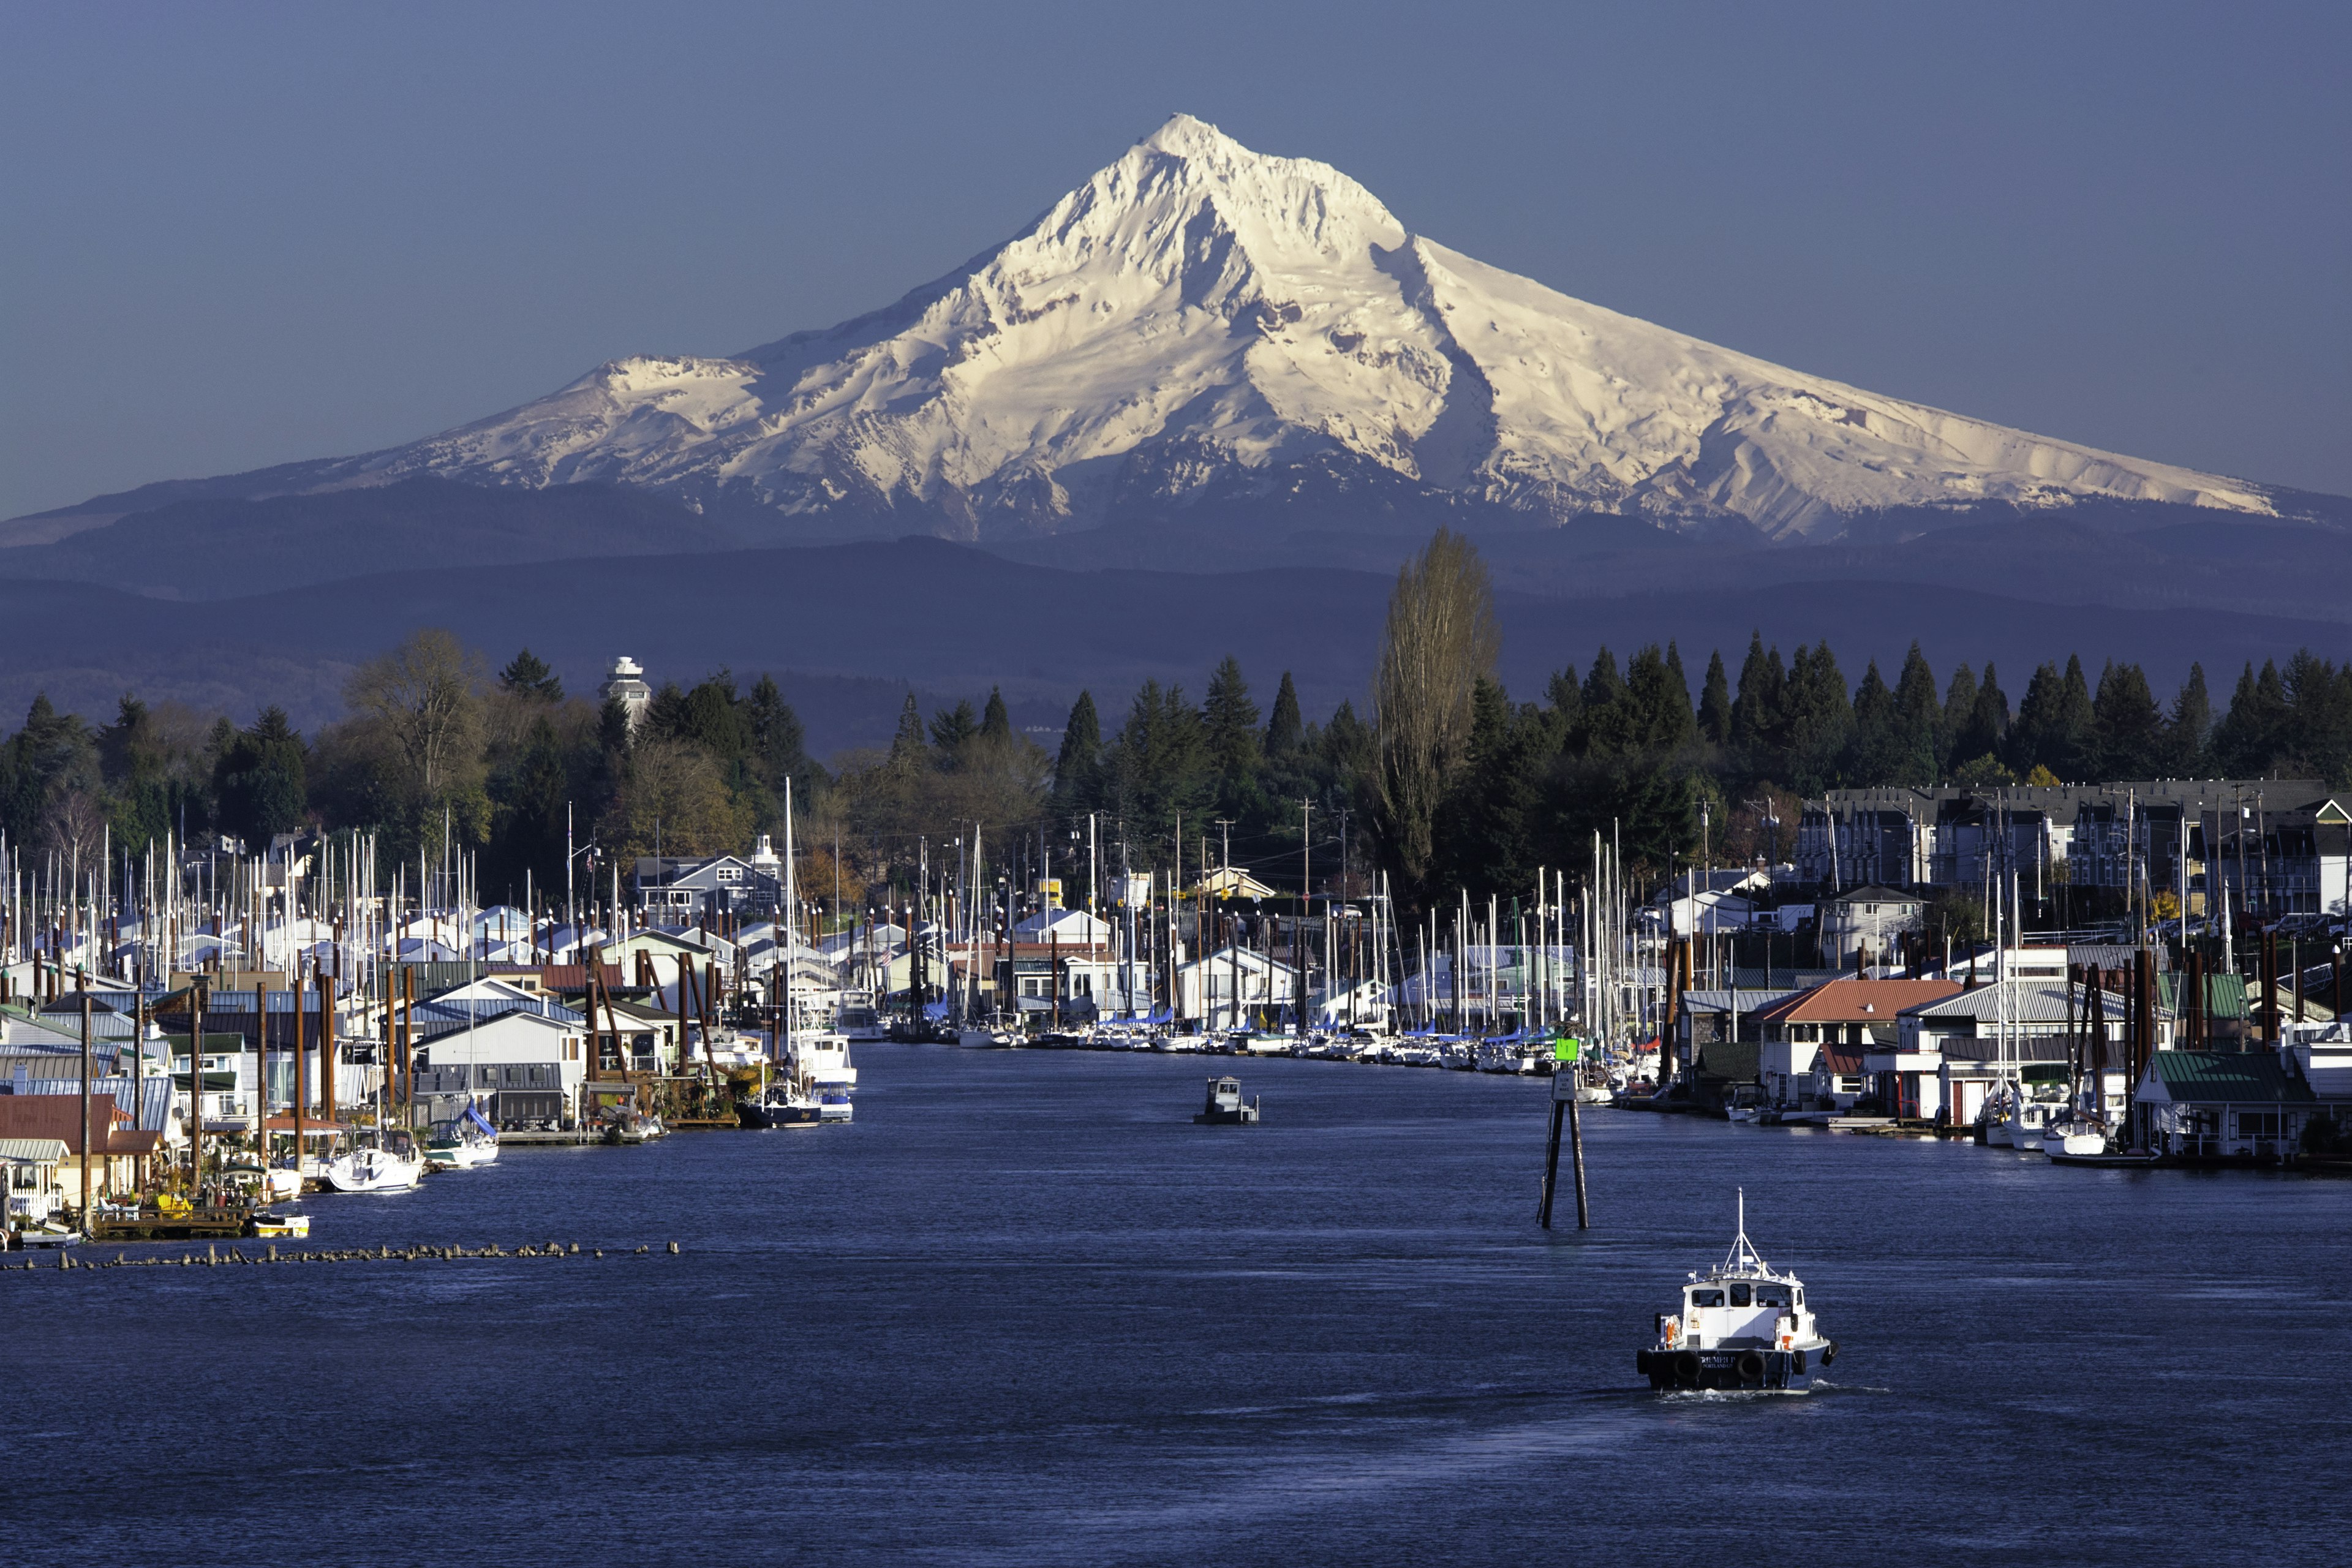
(1566, 1050)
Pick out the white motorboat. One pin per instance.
(981, 1038)
(1744, 1326)
(465, 1143)
(859, 1020)
(2073, 1139)
(820, 1074)
(823, 1059)
(387, 1163)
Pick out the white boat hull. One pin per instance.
(462, 1156)
(371, 1171)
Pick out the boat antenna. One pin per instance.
(1744, 1259)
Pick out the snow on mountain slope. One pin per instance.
(1199, 322)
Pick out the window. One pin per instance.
(1706, 1298)
(2258, 1124)
(1739, 1295)
(1772, 1295)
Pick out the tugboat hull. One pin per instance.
(1734, 1371)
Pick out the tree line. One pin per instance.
(1446, 782)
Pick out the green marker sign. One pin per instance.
(1564, 1048)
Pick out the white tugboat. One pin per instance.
(1744, 1326)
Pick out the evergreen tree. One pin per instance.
(1919, 723)
(908, 753)
(1078, 771)
(2128, 727)
(1960, 714)
(2078, 726)
(1715, 704)
(2188, 727)
(1483, 840)
(1159, 770)
(1567, 699)
(2037, 739)
(779, 745)
(2319, 701)
(2254, 732)
(1229, 730)
(711, 718)
(950, 728)
(664, 717)
(615, 735)
(996, 721)
(1988, 732)
(260, 780)
(52, 755)
(527, 675)
(1606, 725)
(1875, 755)
(1284, 731)
(528, 802)
(1818, 719)
(1758, 725)
(1661, 703)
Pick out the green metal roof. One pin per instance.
(2225, 994)
(2231, 1077)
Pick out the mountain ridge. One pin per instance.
(1200, 332)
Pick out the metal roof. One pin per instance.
(40, 1151)
(1753, 1000)
(2225, 994)
(2029, 1002)
(2231, 1077)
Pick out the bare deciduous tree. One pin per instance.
(71, 825)
(427, 694)
(1441, 638)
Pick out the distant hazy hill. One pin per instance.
(219, 547)
(844, 626)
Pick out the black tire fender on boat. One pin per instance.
(1798, 1364)
(1686, 1368)
(1829, 1353)
(1751, 1367)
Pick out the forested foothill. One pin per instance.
(1442, 781)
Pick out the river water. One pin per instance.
(1024, 1312)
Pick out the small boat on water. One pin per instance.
(1226, 1107)
(781, 1104)
(463, 1143)
(2074, 1134)
(268, 1223)
(271, 1183)
(623, 1125)
(382, 1162)
(49, 1233)
(1744, 1326)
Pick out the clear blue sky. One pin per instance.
(233, 235)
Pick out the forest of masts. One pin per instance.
(1568, 956)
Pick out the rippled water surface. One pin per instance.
(1023, 1311)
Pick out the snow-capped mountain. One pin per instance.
(1199, 328)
